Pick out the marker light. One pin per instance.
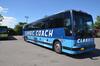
(82, 49)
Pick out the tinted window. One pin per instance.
(68, 24)
(56, 22)
(39, 25)
(28, 27)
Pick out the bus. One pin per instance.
(70, 32)
(3, 32)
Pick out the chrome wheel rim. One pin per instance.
(57, 48)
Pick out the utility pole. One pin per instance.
(26, 18)
(1, 19)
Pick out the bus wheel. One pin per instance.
(57, 47)
(25, 38)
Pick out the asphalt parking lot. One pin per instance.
(16, 52)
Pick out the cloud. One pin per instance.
(9, 21)
(3, 10)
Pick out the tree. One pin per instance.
(11, 31)
(18, 28)
(97, 23)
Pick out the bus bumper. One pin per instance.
(3, 35)
(78, 50)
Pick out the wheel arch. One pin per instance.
(55, 41)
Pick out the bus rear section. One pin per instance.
(70, 32)
(3, 32)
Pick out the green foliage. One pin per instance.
(11, 31)
(18, 28)
(97, 23)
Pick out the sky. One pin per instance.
(14, 11)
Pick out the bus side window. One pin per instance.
(55, 23)
(30, 27)
(26, 27)
(37, 26)
(68, 27)
(40, 25)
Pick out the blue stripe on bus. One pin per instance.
(47, 41)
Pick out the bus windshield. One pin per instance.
(83, 24)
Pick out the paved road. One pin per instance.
(17, 52)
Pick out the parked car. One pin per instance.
(97, 32)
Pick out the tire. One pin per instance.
(25, 38)
(57, 47)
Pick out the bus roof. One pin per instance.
(45, 18)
